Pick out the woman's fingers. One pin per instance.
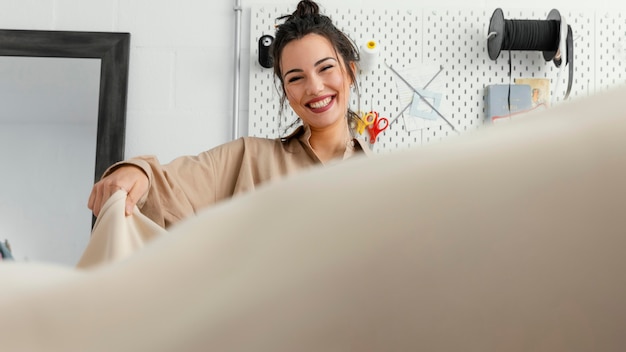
(130, 179)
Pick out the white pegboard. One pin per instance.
(610, 49)
(454, 39)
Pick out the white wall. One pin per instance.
(182, 58)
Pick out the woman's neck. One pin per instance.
(330, 143)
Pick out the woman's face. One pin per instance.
(315, 81)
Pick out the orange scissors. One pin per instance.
(375, 125)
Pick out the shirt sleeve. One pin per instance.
(187, 184)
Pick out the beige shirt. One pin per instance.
(189, 183)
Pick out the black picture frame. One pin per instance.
(113, 49)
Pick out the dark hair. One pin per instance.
(306, 19)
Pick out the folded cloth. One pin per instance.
(116, 236)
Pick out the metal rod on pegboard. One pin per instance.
(235, 133)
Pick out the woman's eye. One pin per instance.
(327, 67)
(293, 79)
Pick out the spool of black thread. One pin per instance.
(524, 35)
(265, 57)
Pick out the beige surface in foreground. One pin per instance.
(116, 236)
(510, 239)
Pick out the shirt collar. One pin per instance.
(303, 133)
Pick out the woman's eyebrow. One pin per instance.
(324, 59)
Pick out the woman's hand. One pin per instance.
(129, 178)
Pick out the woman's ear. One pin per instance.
(353, 68)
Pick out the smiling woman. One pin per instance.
(63, 98)
(169, 193)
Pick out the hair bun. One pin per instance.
(306, 8)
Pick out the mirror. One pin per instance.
(91, 70)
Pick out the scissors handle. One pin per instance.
(365, 121)
(382, 123)
(379, 125)
(370, 117)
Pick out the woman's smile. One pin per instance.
(321, 104)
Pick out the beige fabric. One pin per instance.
(116, 236)
(190, 183)
(509, 239)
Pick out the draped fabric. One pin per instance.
(507, 239)
(116, 236)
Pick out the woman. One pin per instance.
(315, 64)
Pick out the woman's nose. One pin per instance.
(315, 85)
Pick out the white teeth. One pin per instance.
(321, 103)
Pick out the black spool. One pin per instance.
(265, 56)
(524, 34)
(554, 15)
(496, 34)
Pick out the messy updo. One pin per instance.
(306, 19)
